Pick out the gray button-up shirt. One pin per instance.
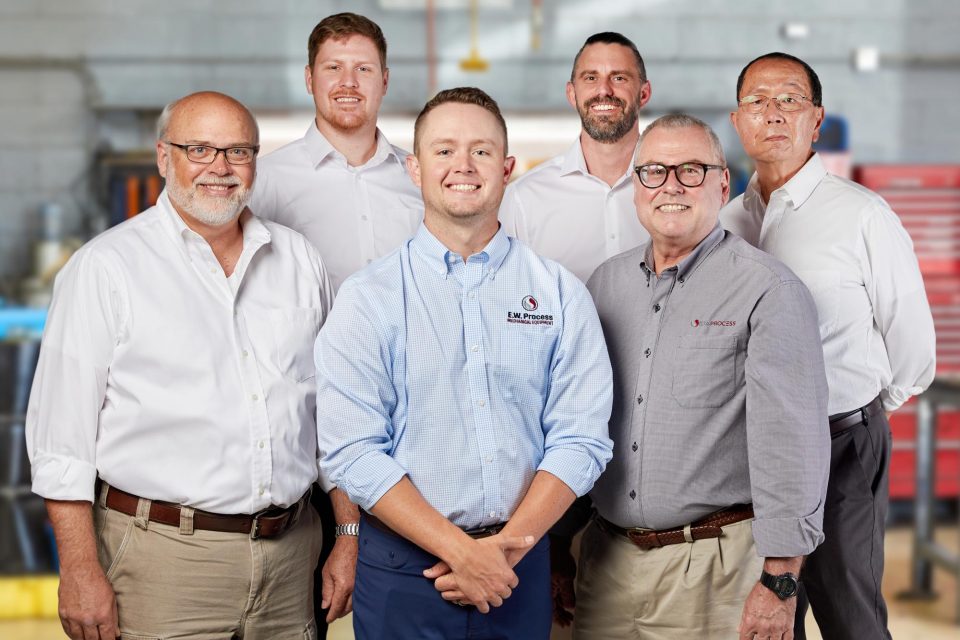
(720, 396)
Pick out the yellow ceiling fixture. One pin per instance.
(474, 62)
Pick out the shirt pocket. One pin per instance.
(294, 332)
(524, 367)
(705, 371)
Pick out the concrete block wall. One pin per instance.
(78, 75)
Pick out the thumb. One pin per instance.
(437, 570)
(326, 591)
(516, 542)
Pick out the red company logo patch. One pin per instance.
(530, 303)
(713, 323)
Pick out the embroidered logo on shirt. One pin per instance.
(713, 323)
(530, 304)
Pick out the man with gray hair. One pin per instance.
(171, 424)
(715, 491)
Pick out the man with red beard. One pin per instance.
(344, 187)
(171, 424)
(577, 208)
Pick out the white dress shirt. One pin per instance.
(352, 215)
(563, 213)
(171, 383)
(856, 258)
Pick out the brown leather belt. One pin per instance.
(708, 527)
(484, 532)
(269, 523)
(841, 421)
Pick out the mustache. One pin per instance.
(225, 180)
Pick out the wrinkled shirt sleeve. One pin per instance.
(788, 439)
(83, 328)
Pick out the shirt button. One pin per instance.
(646, 352)
(260, 444)
(475, 348)
(369, 260)
(493, 514)
(246, 354)
(489, 458)
(254, 397)
(482, 403)
(680, 279)
(613, 237)
(639, 399)
(261, 490)
(656, 308)
(635, 446)
(213, 271)
(633, 495)
(363, 217)
(472, 296)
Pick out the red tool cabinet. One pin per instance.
(927, 199)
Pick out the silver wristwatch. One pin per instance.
(349, 529)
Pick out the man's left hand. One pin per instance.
(339, 572)
(767, 617)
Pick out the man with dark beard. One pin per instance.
(171, 425)
(344, 187)
(577, 208)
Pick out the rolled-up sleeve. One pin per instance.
(900, 308)
(356, 399)
(788, 441)
(577, 447)
(83, 328)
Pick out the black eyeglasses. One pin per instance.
(205, 154)
(689, 174)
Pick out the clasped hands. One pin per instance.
(480, 572)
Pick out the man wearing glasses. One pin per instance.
(577, 208)
(853, 254)
(715, 491)
(171, 424)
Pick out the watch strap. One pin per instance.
(784, 585)
(348, 529)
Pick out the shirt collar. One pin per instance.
(573, 162)
(439, 258)
(797, 189)
(319, 148)
(690, 263)
(255, 233)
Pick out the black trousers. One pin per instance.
(841, 578)
(321, 502)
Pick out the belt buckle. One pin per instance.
(255, 528)
(644, 538)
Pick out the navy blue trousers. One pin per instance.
(392, 599)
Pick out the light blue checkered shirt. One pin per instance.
(466, 377)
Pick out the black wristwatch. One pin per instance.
(784, 585)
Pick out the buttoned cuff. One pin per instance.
(367, 478)
(58, 477)
(577, 469)
(788, 537)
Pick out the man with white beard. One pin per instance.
(171, 424)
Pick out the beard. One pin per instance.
(345, 122)
(609, 129)
(211, 211)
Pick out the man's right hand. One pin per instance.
(563, 571)
(482, 574)
(88, 607)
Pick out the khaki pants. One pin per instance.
(176, 583)
(690, 590)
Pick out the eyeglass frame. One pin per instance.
(216, 151)
(776, 100)
(673, 167)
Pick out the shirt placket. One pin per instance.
(660, 289)
(474, 272)
(364, 218)
(611, 223)
(771, 220)
(254, 397)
